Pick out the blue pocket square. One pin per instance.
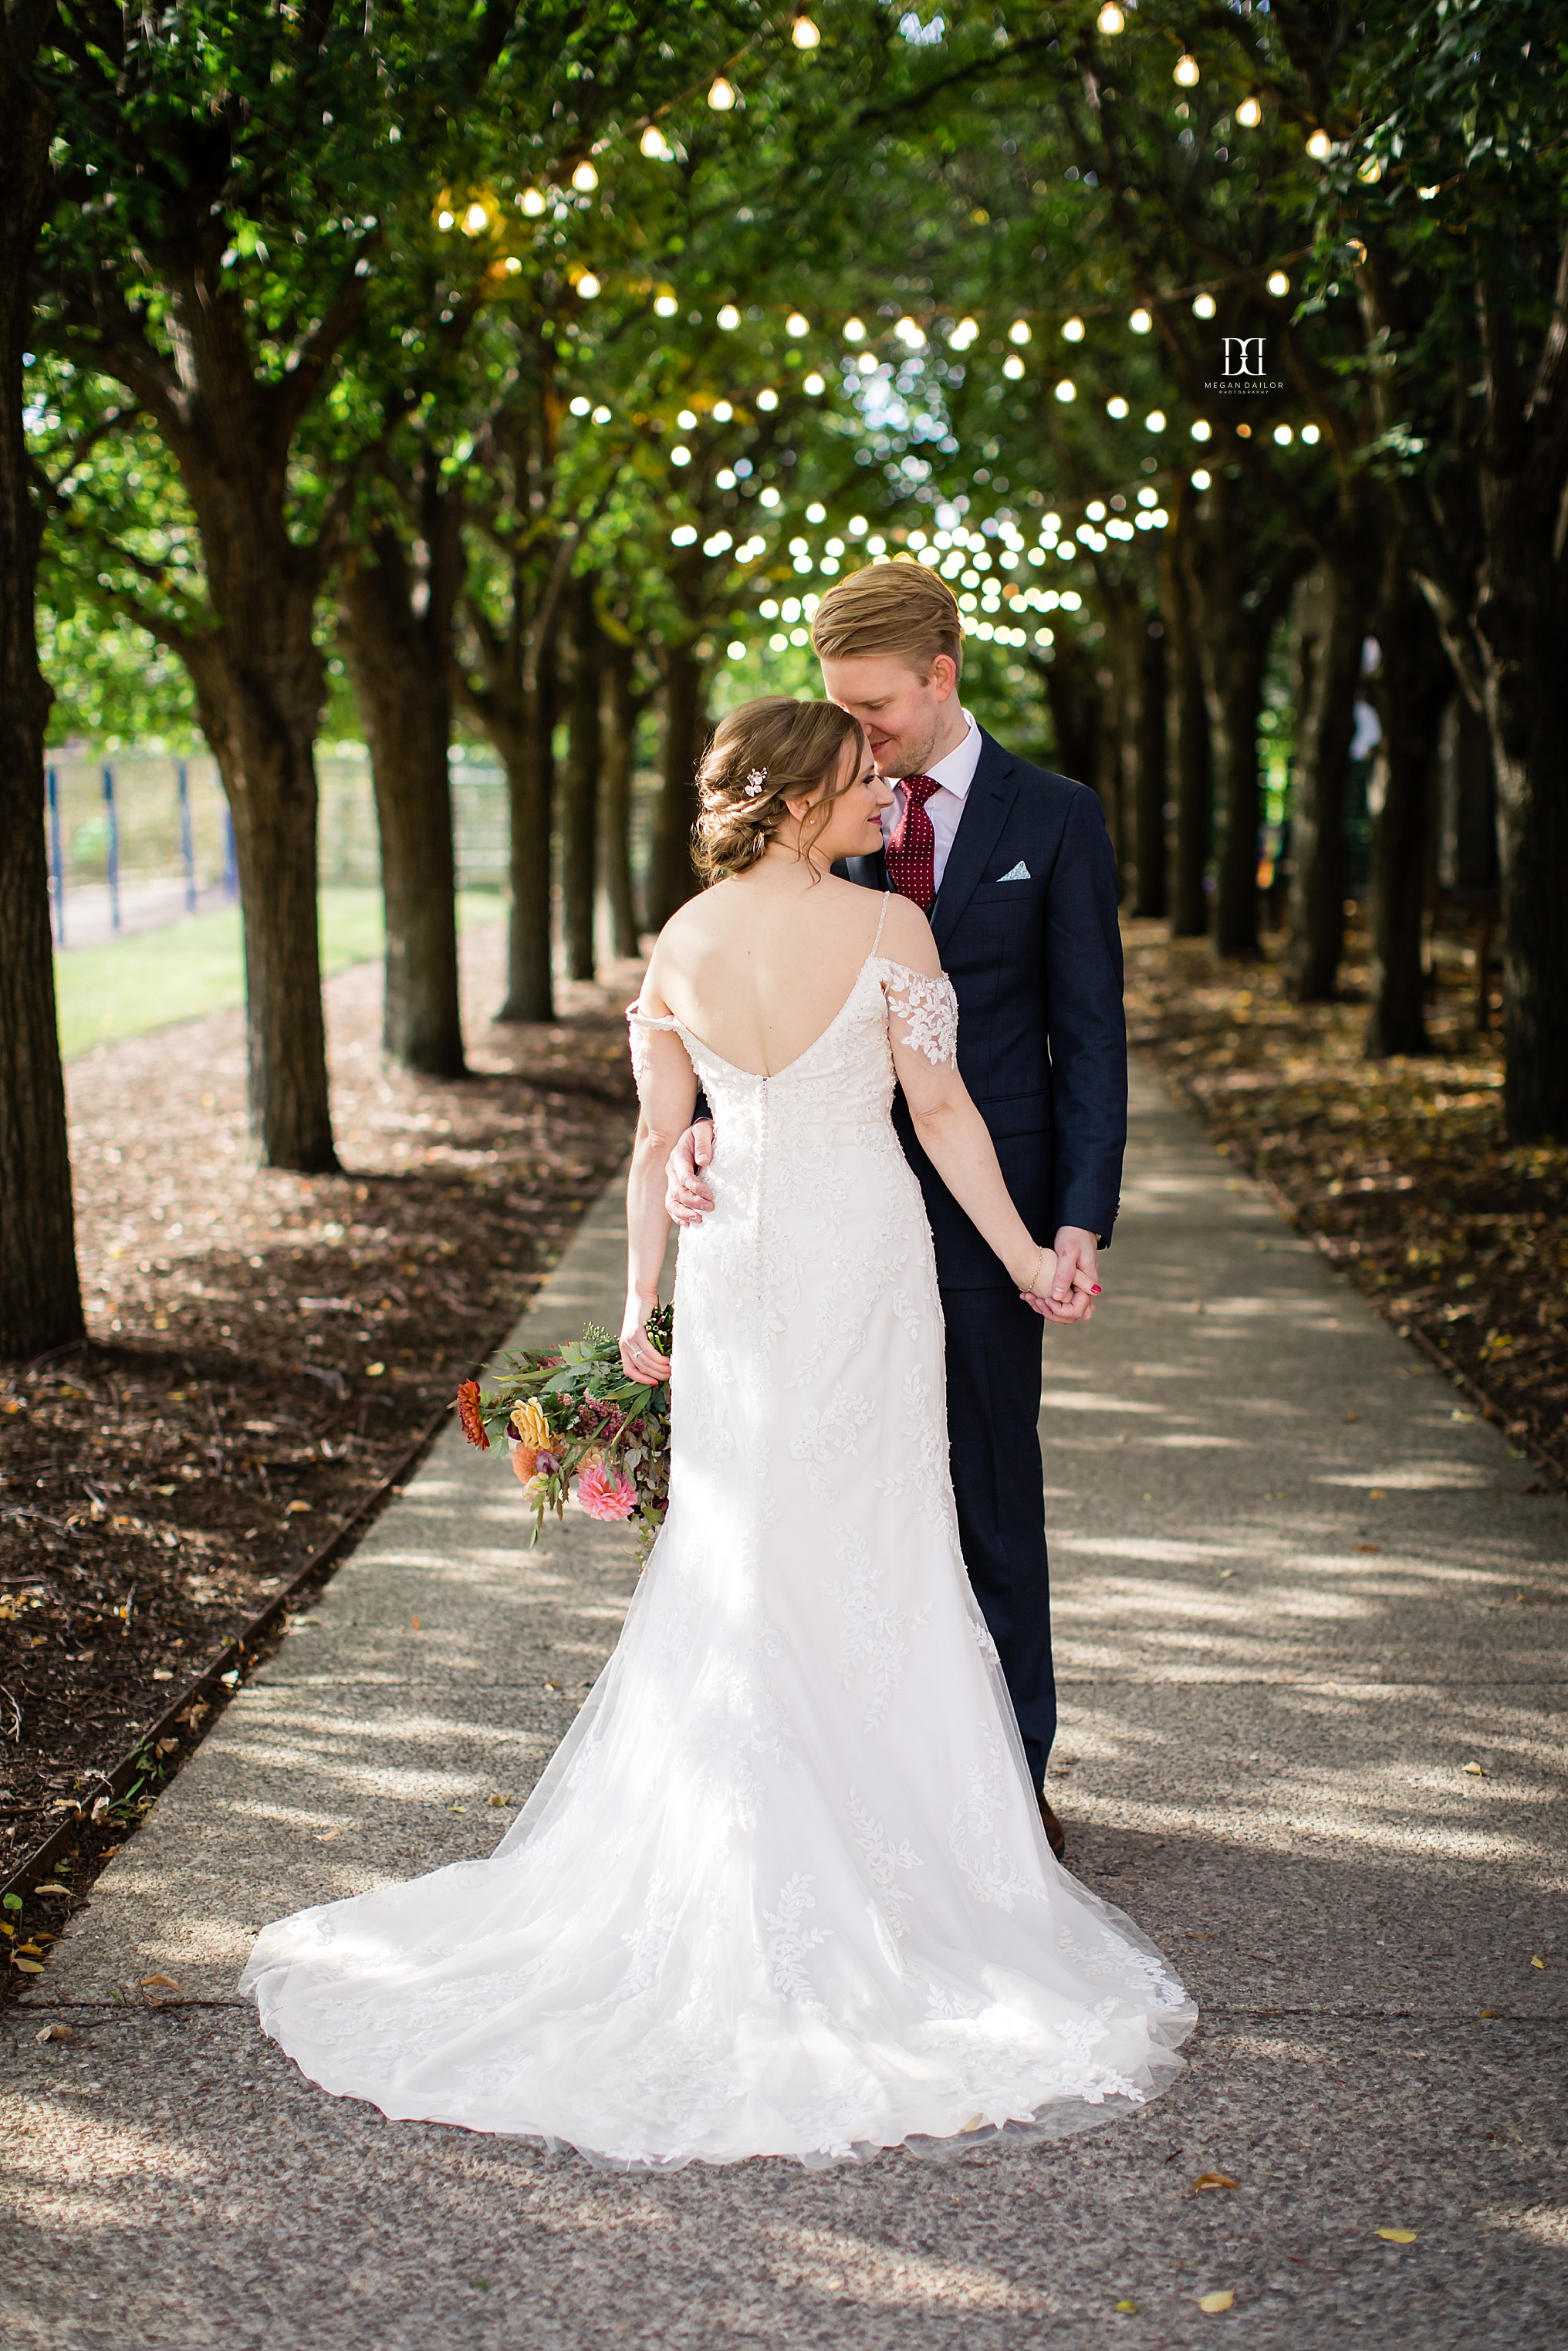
(1019, 872)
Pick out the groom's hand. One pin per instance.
(688, 1199)
(1077, 1283)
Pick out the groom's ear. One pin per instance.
(941, 676)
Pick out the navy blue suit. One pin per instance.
(1037, 966)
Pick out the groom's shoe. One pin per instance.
(1055, 1834)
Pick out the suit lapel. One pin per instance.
(986, 806)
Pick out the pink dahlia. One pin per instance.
(606, 1493)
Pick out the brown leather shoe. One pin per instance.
(1055, 1834)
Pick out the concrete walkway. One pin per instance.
(1312, 1629)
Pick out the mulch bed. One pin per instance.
(263, 1349)
(1401, 1168)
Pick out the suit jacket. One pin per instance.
(1042, 1040)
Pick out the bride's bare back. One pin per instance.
(759, 967)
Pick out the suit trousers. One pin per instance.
(994, 1343)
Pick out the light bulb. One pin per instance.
(1018, 331)
(585, 177)
(1186, 70)
(655, 146)
(797, 324)
(1250, 114)
(721, 96)
(687, 420)
(1318, 145)
(1200, 480)
(1369, 173)
(1203, 306)
(1095, 510)
(1310, 434)
(1201, 429)
(910, 334)
(722, 412)
(533, 203)
(1072, 331)
(816, 513)
(588, 285)
(804, 34)
(1067, 390)
(1155, 420)
(767, 400)
(1012, 367)
(1110, 19)
(1283, 436)
(443, 220)
(513, 265)
(1116, 406)
(1140, 322)
(854, 330)
(813, 385)
(964, 334)
(665, 306)
(474, 219)
(1277, 282)
(729, 318)
(1425, 194)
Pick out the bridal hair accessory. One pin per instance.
(756, 778)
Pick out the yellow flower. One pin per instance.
(531, 1426)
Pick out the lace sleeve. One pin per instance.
(639, 1026)
(928, 1009)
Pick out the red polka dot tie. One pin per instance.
(912, 845)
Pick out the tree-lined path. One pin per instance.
(1312, 1637)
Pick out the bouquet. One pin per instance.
(569, 1413)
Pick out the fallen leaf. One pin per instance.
(1375, 1494)
(497, 1801)
(28, 1967)
(1214, 2303)
(296, 1506)
(1127, 2306)
(1474, 1771)
(1371, 1549)
(52, 1888)
(374, 1371)
(55, 2032)
(1488, 2012)
(1537, 1961)
(1398, 2236)
(160, 1983)
(1213, 2179)
(328, 1835)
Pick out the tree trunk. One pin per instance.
(1074, 702)
(398, 636)
(1331, 616)
(671, 878)
(40, 1301)
(527, 754)
(1147, 796)
(1189, 736)
(580, 781)
(1236, 611)
(1410, 691)
(620, 725)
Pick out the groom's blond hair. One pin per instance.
(897, 609)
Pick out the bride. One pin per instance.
(784, 1888)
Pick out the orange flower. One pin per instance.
(469, 1413)
(523, 1459)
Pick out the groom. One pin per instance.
(1015, 868)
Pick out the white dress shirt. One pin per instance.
(953, 776)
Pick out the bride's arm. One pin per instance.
(952, 1135)
(667, 1093)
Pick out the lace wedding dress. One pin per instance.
(783, 1888)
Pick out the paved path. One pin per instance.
(1300, 1594)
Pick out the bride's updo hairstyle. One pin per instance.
(764, 754)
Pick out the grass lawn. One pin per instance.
(156, 977)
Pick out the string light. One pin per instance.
(722, 411)
(910, 334)
(474, 219)
(1067, 390)
(1140, 322)
(1277, 282)
(1250, 114)
(532, 202)
(1200, 480)
(1203, 306)
(585, 178)
(797, 324)
(1072, 331)
(665, 306)
(687, 419)
(804, 34)
(1283, 436)
(1110, 19)
(1369, 173)
(1186, 70)
(816, 513)
(1018, 331)
(854, 330)
(813, 385)
(766, 401)
(1116, 406)
(1425, 194)
(729, 318)
(443, 220)
(1201, 429)
(655, 146)
(1155, 420)
(963, 334)
(1318, 145)
(601, 415)
(1310, 435)
(588, 285)
(721, 96)
(1012, 368)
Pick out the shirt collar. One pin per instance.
(955, 771)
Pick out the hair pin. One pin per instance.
(756, 778)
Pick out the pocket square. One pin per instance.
(1019, 872)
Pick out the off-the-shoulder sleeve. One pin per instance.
(639, 1025)
(926, 1009)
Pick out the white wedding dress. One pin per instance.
(783, 1888)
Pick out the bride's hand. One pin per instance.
(640, 1359)
(1035, 1288)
